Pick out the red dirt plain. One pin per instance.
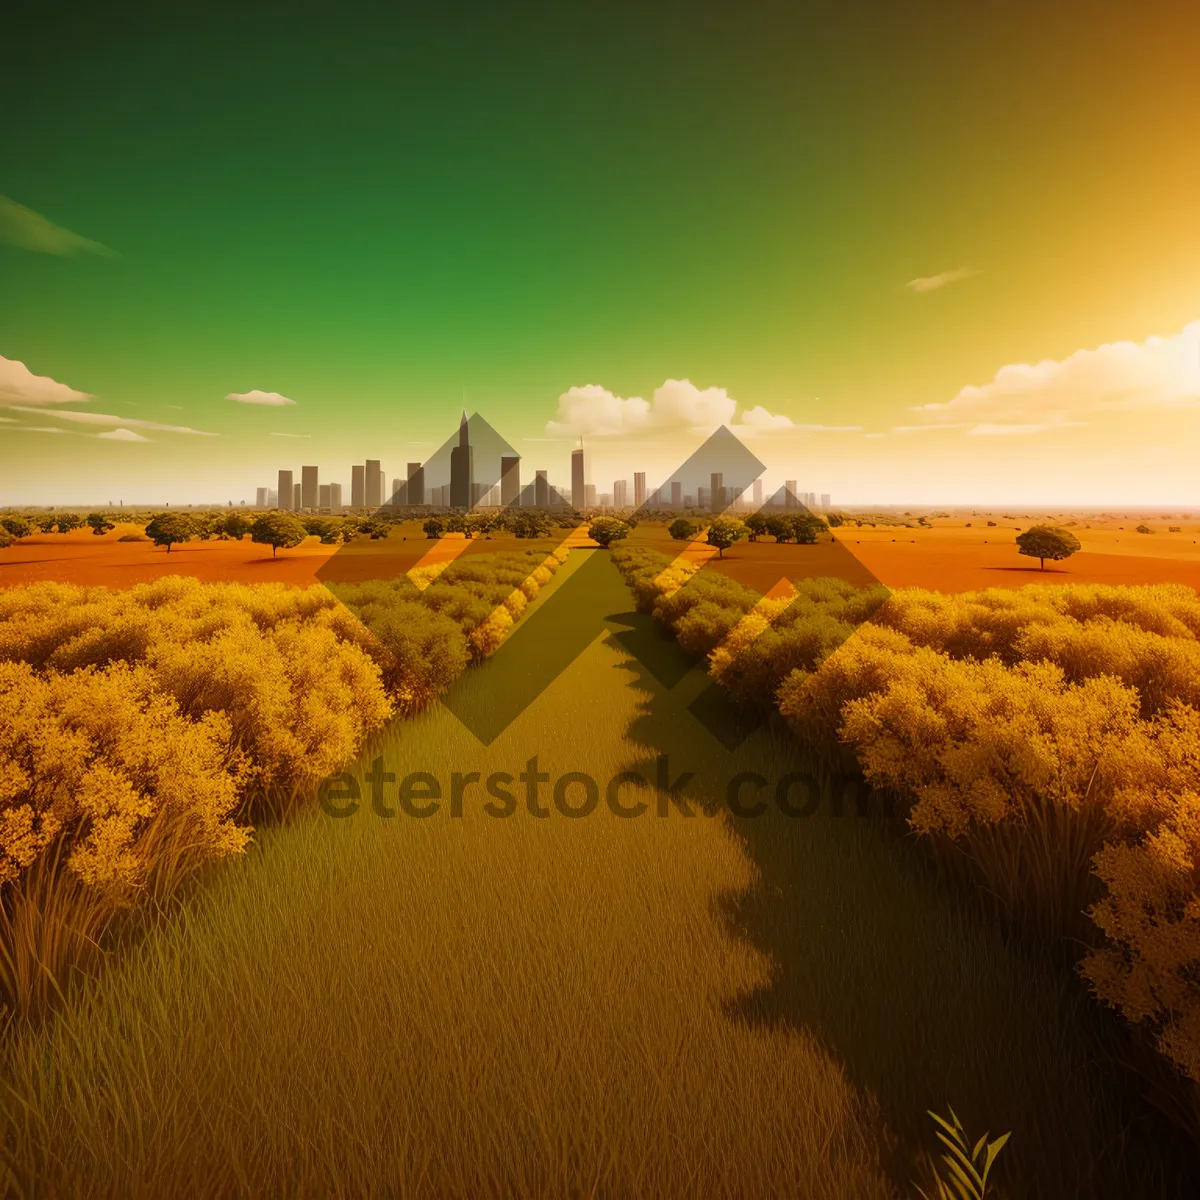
(950, 557)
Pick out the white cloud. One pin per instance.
(270, 399)
(21, 226)
(594, 411)
(19, 384)
(291, 435)
(39, 429)
(91, 418)
(931, 283)
(123, 435)
(1159, 373)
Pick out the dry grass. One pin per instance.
(547, 1007)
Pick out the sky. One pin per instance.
(910, 252)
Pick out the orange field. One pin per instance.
(949, 557)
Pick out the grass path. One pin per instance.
(466, 1005)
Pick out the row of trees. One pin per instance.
(1047, 738)
(148, 729)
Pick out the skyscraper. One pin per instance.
(541, 490)
(510, 479)
(639, 488)
(358, 486)
(758, 493)
(323, 495)
(676, 494)
(790, 500)
(374, 480)
(717, 491)
(824, 501)
(578, 486)
(621, 493)
(297, 497)
(415, 492)
(260, 498)
(309, 488)
(285, 490)
(335, 497)
(396, 495)
(462, 467)
(589, 495)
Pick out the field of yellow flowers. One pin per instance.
(149, 729)
(1043, 741)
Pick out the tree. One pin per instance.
(236, 526)
(835, 520)
(68, 521)
(780, 528)
(168, 528)
(528, 523)
(806, 528)
(1143, 529)
(277, 530)
(1047, 542)
(433, 528)
(15, 526)
(724, 531)
(606, 530)
(681, 530)
(100, 523)
(756, 526)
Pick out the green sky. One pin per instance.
(381, 215)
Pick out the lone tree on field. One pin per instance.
(681, 529)
(756, 526)
(724, 531)
(168, 528)
(807, 528)
(277, 530)
(1047, 542)
(606, 530)
(100, 523)
(433, 528)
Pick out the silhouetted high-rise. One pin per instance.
(541, 490)
(358, 486)
(309, 487)
(510, 479)
(415, 493)
(462, 467)
(374, 480)
(285, 489)
(578, 486)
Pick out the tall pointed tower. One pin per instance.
(462, 467)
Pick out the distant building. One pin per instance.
(285, 490)
(758, 493)
(323, 495)
(297, 497)
(639, 488)
(702, 497)
(825, 502)
(541, 490)
(462, 467)
(260, 498)
(717, 491)
(589, 495)
(335, 497)
(374, 480)
(790, 499)
(605, 500)
(358, 486)
(621, 493)
(578, 486)
(272, 498)
(676, 494)
(414, 492)
(510, 479)
(309, 488)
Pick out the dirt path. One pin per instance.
(558, 1005)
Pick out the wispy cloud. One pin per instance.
(268, 399)
(22, 227)
(932, 283)
(291, 435)
(20, 385)
(91, 418)
(123, 435)
(38, 429)
(1000, 429)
